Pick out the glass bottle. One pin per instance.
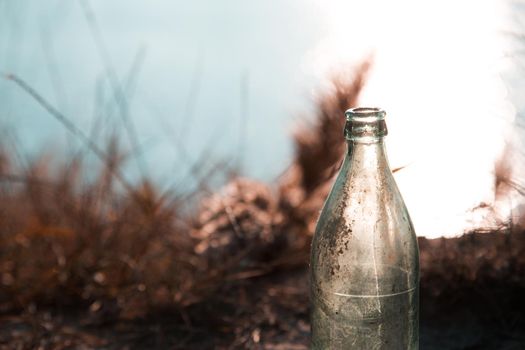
(364, 271)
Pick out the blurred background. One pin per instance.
(243, 75)
(164, 159)
(204, 70)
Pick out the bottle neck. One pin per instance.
(367, 157)
(365, 125)
(365, 130)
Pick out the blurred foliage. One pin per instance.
(78, 253)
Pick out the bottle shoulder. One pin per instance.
(365, 232)
(361, 203)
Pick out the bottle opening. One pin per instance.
(365, 112)
(365, 124)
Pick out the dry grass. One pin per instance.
(78, 253)
(65, 239)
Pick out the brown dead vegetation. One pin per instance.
(98, 264)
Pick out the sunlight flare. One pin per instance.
(436, 71)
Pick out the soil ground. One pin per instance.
(486, 311)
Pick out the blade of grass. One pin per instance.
(71, 127)
(118, 92)
(244, 117)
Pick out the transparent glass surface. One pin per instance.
(364, 262)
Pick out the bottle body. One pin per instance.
(365, 263)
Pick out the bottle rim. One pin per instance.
(365, 124)
(374, 113)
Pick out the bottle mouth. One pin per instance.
(360, 113)
(365, 124)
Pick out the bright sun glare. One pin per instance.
(436, 72)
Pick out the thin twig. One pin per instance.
(519, 188)
(195, 167)
(22, 179)
(118, 92)
(52, 69)
(191, 100)
(244, 117)
(131, 77)
(71, 128)
(399, 168)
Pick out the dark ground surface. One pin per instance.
(279, 320)
(472, 297)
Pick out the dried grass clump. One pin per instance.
(243, 215)
(319, 149)
(65, 239)
(320, 146)
(508, 184)
(450, 267)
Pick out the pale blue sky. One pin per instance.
(210, 45)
